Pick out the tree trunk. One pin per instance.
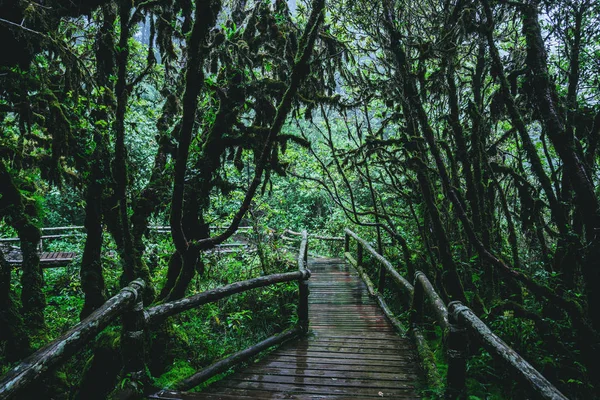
(12, 331)
(120, 163)
(574, 166)
(205, 17)
(92, 279)
(15, 212)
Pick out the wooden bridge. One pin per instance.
(346, 344)
(48, 259)
(352, 351)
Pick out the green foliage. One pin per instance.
(406, 125)
(63, 209)
(202, 336)
(178, 370)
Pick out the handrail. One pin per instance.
(16, 239)
(240, 356)
(494, 345)
(66, 345)
(63, 228)
(167, 228)
(456, 320)
(128, 304)
(159, 228)
(318, 237)
(77, 227)
(158, 313)
(382, 261)
(423, 287)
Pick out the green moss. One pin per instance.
(212, 380)
(178, 371)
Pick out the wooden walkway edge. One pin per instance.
(48, 259)
(352, 351)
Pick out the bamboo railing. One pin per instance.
(128, 304)
(458, 322)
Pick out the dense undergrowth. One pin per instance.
(185, 343)
(487, 377)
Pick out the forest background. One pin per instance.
(461, 136)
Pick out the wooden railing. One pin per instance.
(302, 275)
(49, 236)
(458, 323)
(136, 321)
(59, 350)
(79, 231)
(331, 245)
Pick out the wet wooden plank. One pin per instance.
(350, 342)
(346, 356)
(404, 368)
(365, 362)
(261, 394)
(174, 395)
(339, 374)
(322, 383)
(247, 388)
(351, 352)
(341, 348)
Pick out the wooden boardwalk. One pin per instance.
(352, 351)
(48, 259)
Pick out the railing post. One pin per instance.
(303, 284)
(381, 283)
(303, 304)
(306, 254)
(132, 338)
(346, 243)
(416, 307)
(456, 350)
(359, 254)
